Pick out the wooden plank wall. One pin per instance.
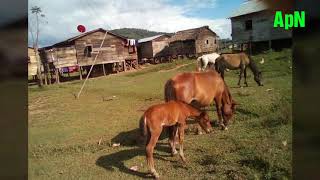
(145, 50)
(113, 49)
(61, 57)
(182, 47)
(262, 28)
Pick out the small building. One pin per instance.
(117, 53)
(252, 26)
(193, 42)
(153, 48)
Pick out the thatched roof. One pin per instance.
(189, 34)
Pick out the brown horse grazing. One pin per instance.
(200, 89)
(238, 61)
(172, 114)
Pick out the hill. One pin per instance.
(134, 33)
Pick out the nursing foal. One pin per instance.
(173, 114)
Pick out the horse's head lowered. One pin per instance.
(258, 78)
(229, 110)
(204, 122)
(229, 106)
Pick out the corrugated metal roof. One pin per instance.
(149, 38)
(249, 7)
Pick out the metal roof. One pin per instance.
(70, 40)
(149, 38)
(249, 7)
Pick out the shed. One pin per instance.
(153, 48)
(252, 23)
(193, 42)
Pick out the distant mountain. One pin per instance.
(133, 33)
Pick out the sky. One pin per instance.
(63, 16)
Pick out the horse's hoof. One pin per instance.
(174, 153)
(155, 174)
(184, 160)
(226, 128)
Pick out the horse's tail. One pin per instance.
(169, 91)
(218, 65)
(199, 63)
(143, 128)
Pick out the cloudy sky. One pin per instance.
(63, 16)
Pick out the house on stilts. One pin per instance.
(117, 53)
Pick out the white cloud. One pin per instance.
(199, 4)
(157, 15)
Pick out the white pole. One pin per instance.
(91, 66)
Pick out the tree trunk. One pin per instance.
(40, 82)
(36, 52)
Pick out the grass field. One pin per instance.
(64, 132)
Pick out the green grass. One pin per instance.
(64, 132)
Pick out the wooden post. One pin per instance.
(68, 72)
(45, 77)
(117, 67)
(104, 71)
(270, 47)
(48, 73)
(57, 76)
(80, 70)
(124, 66)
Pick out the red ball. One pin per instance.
(81, 28)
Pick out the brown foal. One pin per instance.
(173, 114)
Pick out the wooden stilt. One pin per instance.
(68, 73)
(80, 70)
(48, 73)
(117, 67)
(104, 71)
(270, 45)
(124, 66)
(45, 78)
(57, 76)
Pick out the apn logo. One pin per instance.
(297, 19)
